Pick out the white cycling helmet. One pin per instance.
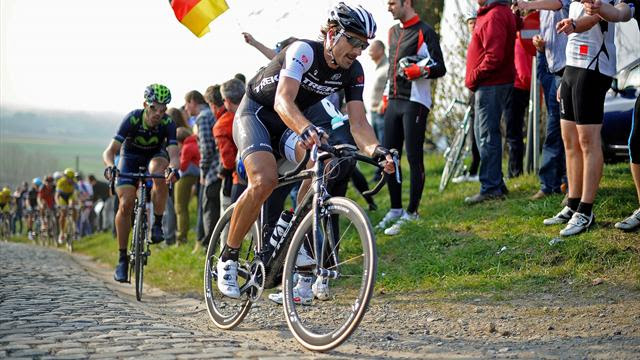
(354, 19)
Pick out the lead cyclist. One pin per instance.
(295, 79)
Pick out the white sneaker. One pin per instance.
(579, 222)
(303, 258)
(30, 235)
(391, 216)
(320, 288)
(629, 223)
(465, 178)
(562, 217)
(61, 239)
(228, 278)
(395, 228)
(302, 293)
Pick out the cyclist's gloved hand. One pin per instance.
(415, 71)
(171, 174)
(110, 172)
(382, 154)
(311, 135)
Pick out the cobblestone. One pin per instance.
(52, 308)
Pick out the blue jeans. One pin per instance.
(490, 104)
(553, 171)
(377, 122)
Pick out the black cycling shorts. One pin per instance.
(131, 163)
(582, 94)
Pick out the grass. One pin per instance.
(495, 250)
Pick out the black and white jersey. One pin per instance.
(304, 61)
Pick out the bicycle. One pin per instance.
(70, 228)
(456, 152)
(49, 227)
(139, 249)
(316, 225)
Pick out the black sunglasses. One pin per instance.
(355, 42)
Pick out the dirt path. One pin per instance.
(598, 322)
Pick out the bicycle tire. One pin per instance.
(453, 158)
(70, 231)
(336, 331)
(138, 248)
(226, 313)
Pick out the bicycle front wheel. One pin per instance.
(138, 249)
(453, 158)
(227, 313)
(349, 252)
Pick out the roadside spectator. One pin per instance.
(178, 117)
(379, 57)
(490, 74)
(100, 197)
(209, 159)
(240, 77)
(551, 59)
(20, 196)
(417, 59)
(591, 63)
(189, 175)
(514, 114)
(232, 93)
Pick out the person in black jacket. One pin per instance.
(415, 58)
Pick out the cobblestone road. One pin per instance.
(51, 308)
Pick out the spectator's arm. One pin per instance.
(581, 24)
(269, 53)
(621, 12)
(205, 144)
(540, 5)
(228, 152)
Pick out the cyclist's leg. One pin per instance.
(415, 121)
(160, 190)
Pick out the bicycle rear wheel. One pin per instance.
(227, 313)
(453, 158)
(70, 231)
(326, 324)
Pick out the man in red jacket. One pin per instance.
(490, 74)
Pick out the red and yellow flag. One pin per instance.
(197, 14)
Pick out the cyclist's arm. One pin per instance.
(109, 154)
(285, 106)
(361, 130)
(174, 156)
(540, 5)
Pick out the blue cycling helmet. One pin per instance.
(37, 182)
(241, 171)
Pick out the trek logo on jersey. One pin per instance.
(266, 81)
(317, 88)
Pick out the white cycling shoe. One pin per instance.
(228, 278)
(302, 293)
(320, 289)
(304, 259)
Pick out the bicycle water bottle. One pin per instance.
(281, 226)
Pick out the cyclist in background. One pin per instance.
(146, 138)
(5, 201)
(65, 199)
(32, 205)
(46, 201)
(298, 77)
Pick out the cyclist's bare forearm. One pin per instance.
(174, 156)
(109, 154)
(285, 106)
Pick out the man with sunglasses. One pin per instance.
(295, 79)
(415, 58)
(146, 137)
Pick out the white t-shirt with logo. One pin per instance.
(595, 48)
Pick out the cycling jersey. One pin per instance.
(257, 126)
(304, 61)
(46, 195)
(136, 137)
(635, 9)
(593, 49)
(32, 198)
(5, 201)
(414, 37)
(65, 186)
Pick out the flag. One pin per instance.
(197, 14)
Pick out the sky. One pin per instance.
(99, 55)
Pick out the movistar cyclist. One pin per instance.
(65, 199)
(305, 73)
(147, 138)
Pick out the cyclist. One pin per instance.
(46, 201)
(5, 202)
(146, 138)
(305, 73)
(32, 206)
(65, 199)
